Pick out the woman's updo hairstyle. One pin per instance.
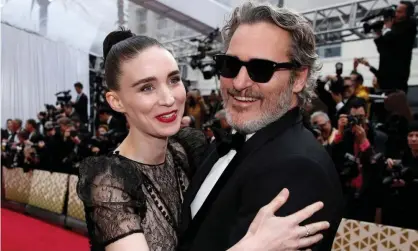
(120, 46)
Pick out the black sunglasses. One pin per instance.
(259, 70)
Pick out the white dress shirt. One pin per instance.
(339, 106)
(16, 140)
(210, 180)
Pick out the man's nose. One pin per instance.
(242, 81)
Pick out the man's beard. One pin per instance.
(273, 107)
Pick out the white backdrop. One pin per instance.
(33, 69)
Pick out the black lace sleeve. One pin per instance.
(110, 189)
(195, 144)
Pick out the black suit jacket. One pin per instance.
(5, 134)
(282, 155)
(81, 107)
(36, 137)
(395, 49)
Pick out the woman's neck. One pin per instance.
(143, 148)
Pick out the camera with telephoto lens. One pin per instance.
(350, 168)
(63, 97)
(386, 13)
(337, 85)
(52, 113)
(339, 69)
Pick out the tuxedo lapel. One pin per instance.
(253, 144)
(196, 182)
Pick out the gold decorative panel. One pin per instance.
(363, 236)
(16, 184)
(48, 190)
(75, 205)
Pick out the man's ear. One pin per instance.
(114, 101)
(301, 77)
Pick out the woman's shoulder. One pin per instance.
(189, 136)
(98, 164)
(109, 170)
(192, 144)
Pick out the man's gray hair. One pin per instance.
(303, 48)
(319, 114)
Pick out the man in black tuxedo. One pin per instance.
(32, 128)
(8, 133)
(71, 113)
(112, 123)
(81, 103)
(395, 44)
(267, 73)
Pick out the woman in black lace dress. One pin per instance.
(133, 196)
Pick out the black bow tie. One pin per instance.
(226, 142)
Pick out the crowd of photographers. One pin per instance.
(372, 137)
(371, 133)
(60, 138)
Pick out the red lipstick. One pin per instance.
(167, 117)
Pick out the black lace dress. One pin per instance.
(122, 196)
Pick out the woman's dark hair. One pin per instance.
(120, 46)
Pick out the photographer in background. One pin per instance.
(17, 125)
(100, 144)
(74, 149)
(31, 127)
(343, 95)
(321, 122)
(114, 124)
(395, 43)
(400, 207)
(359, 89)
(8, 133)
(70, 112)
(42, 118)
(81, 128)
(12, 151)
(217, 128)
(196, 107)
(50, 148)
(398, 114)
(81, 103)
(336, 92)
(353, 148)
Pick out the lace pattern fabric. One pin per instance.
(118, 204)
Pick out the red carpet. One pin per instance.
(23, 233)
